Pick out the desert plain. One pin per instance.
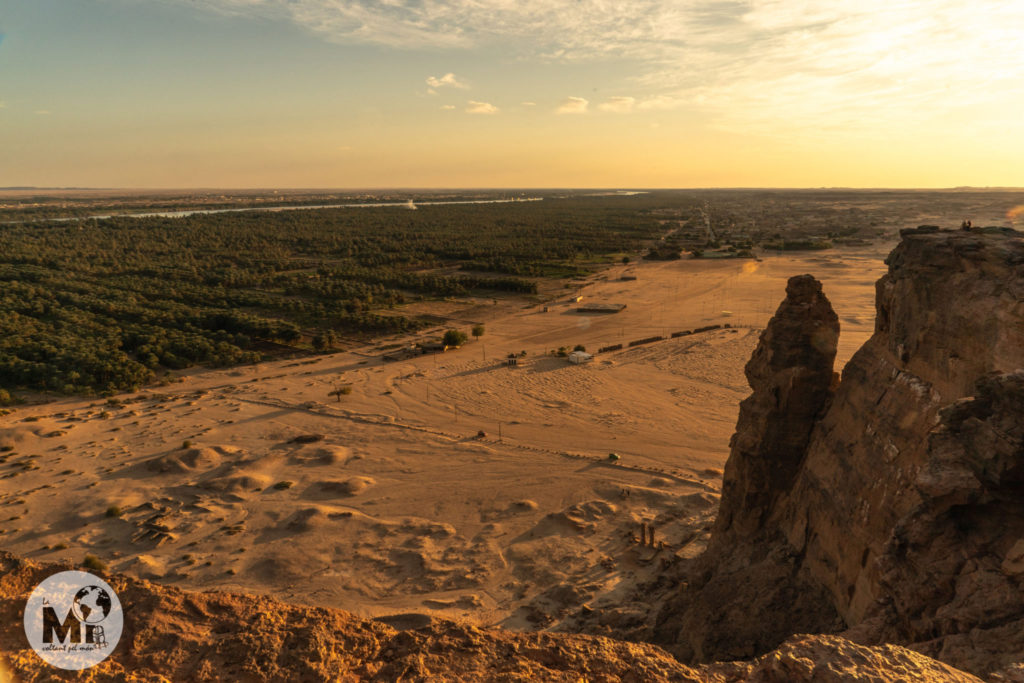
(446, 484)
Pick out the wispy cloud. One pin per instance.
(528, 104)
(447, 81)
(473, 107)
(661, 102)
(573, 105)
(618, 105)
(447, 107)
(741, 62)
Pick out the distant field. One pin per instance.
(106, 305)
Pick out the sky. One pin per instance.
(511, 93)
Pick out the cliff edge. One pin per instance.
(890, 505)
(176, 635)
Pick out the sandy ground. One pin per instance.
(447, 484)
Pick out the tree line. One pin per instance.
(107, 305)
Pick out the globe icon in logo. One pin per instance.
(91, 605)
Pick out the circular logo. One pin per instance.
(73, 620)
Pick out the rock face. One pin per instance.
(174, 635)
(750, 591)
(791, 374)
(902, 511)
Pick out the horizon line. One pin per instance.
(549, 188)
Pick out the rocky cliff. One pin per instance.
(887, 507)
(174, 635)
(892, 505)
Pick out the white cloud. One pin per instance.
(447, 107)
(618, 105)
(528, 104)
(448, 80)
(572, 105)
(473, 107)
(742, 63)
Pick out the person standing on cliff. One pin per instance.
(965, 225)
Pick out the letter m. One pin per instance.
(54, 626)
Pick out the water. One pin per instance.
(190, 212)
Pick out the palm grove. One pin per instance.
(105, 305)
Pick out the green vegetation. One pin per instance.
(339, 391)
(478, 331)
(798, 245)
(282, 485)
(454, 338)
(108, 305)
(114, 511)
(93, 563)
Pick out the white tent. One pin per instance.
(578, 357)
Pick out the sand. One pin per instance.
(448, 484)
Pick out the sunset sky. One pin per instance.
(511, 93)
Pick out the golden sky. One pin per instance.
(507, 93)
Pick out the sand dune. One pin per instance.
(446, 484)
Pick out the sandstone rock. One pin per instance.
(903, 511)
(791, 374)
(176, 635)
(829, 658)
(749, 591)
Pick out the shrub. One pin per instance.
(454, 338)
(478, 331)
(94, 563)
(114, 511)
(343, 390)
(186, 444)
(282, 485)
(579, 347)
